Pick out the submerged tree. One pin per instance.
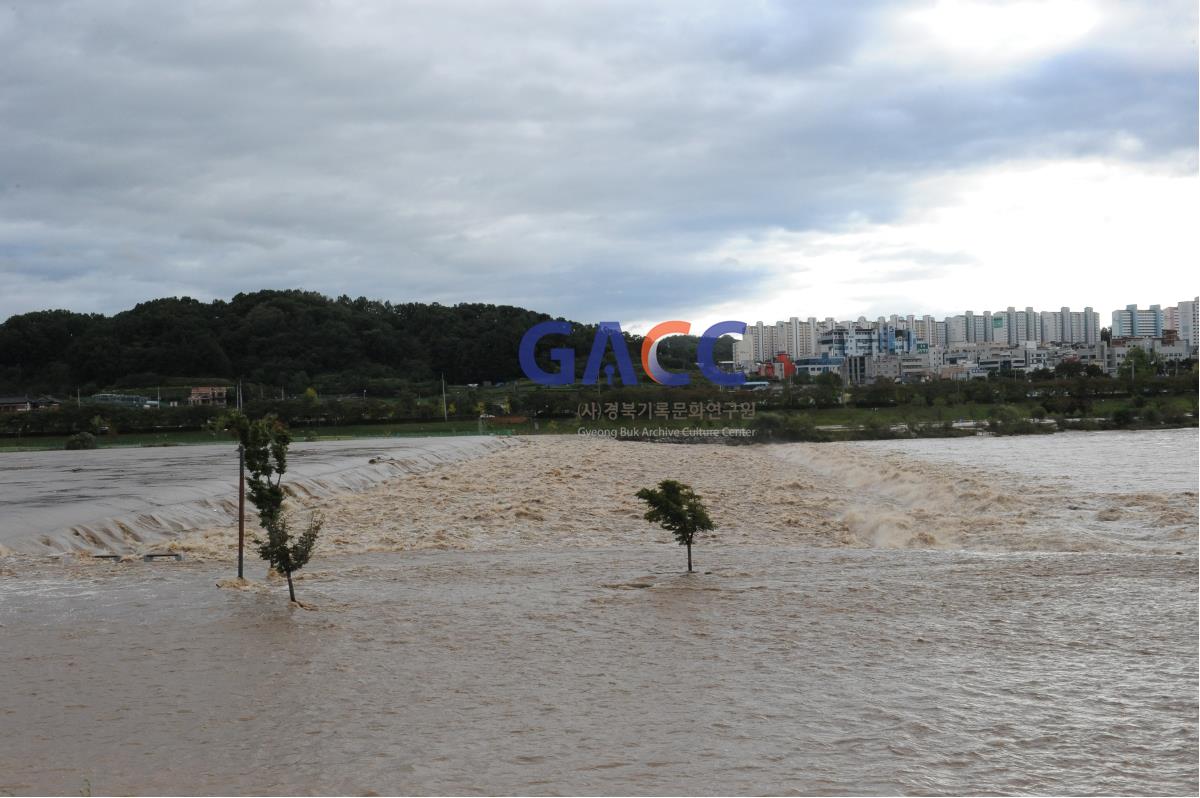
(676, 507)
(265, 442)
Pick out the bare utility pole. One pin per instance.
(241, 506)
(241, 492)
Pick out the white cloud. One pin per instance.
(1041, 233)
(984, 34)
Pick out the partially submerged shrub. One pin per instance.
(81, 440)
(787, 427)
(1006, 420)
(1124, 416)
(265, 442)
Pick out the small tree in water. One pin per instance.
(266, 442)
(676, 507)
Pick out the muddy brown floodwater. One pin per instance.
(608, 671)
(988, 616)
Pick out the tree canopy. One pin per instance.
(282, 338)
(265, 442)
(675, 507)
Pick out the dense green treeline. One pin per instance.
(284, 341)
(1068, 402)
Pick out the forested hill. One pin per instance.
(280, 338)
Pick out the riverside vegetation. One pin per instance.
(265, 443)
(815, 410)
(356, 367)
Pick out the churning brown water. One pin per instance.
(862, 657)
(117, 500)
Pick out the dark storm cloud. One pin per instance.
(583, 159)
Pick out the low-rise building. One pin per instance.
(15, 404)
(1119, 349)
(1087, 354)
(815, 366)
(121, 400)
(921, 365)
(208, 395)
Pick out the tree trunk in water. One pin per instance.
(291, 589)
(689, 557)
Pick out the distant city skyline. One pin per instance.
(616, 161)
(982, 310)
(1105, 315)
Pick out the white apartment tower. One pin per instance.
(956, 330)
(1135, 322)
(1189, 321)
(1022, 325)
(799, 338)
(763, 345)
(926, 329)
(1067, 327)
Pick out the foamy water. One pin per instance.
(126, 500)
(1075, 491)
(553, 492)
(911, 617)
(1154, 461)
(1115, 492)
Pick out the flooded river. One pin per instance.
(836, 663)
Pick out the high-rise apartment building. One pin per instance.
(763, 346)
(1070, 327)
(1021, 325)
(925, 328)
(762, 342)
(1189, 321)
(981, 337)
(1171, 318)
(1134, 322)
(956, 330)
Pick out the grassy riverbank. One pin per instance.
(814, 424)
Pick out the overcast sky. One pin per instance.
(602, 161)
